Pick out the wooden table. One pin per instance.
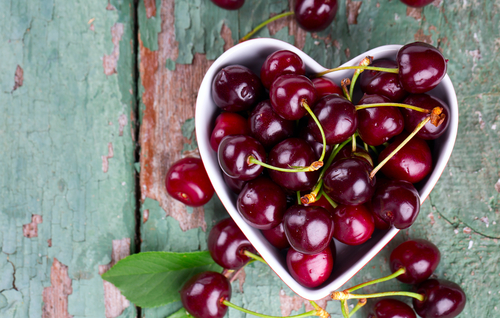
(83, 84)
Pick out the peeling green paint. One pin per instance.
(149, 28)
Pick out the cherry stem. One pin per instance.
(344, 83)
(316, 120)
(358, 67)
(298, 198)
(347, 295)
(254, 256)
(320, 312)
(263, 24)
(364, 62)
(344, 308)
(313, 167)
(229, 304)
(353, 143)
(361, 303)
(410, 136)
(239, 270)
(327, 197)
(378, 280)
(366, 146)
(418, 109)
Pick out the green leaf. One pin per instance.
(181, 313)
(153, 279)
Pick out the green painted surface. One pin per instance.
(54, 130)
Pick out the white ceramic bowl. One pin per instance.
(350, 259)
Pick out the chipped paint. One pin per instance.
(105, 159)
(55, 297)
(422, 37)
(30, 230)
(295, 303)
(352, 10)
(150, 8)
(145, 216)
(415, 13)
(497, 186)
(110, 61)
(227, 36)
(467, 230)
(122, 122)
(18, 78)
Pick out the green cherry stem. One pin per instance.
(361, 303)
(254, 256)
(400, 271)
(344, 308)
(316, 120)
(418, 109)
(364, 62)
(358, 67)
(263, 24)
(327, 197)
(306, 314)
(344, 83)
(346, 295)
(237, 272)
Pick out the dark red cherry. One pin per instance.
(311, 270)
(391, 308)
(226, 244)
(346, 152)
(347, 181)
(382, 83)
(443, 299)
(281, 63)
(417, 3)
(419, 257)
(411, 163)
(268, 127)
(421, 67)
(309, 229)
(202, 295)
(397, 203)
(338, 118)
(325, 86)
(236, 185)
(188, 182)
(233, 154)
(262, 203)
(226, 124)
(323, 202)
(287, 93)
(378, 222)
(377, 125)
(305, 134)
(293, 152)
(235, 88)
(315, 15)
(276, 236)
(353, 224)
(412, 118)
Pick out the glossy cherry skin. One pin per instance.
(411, 163)
(235, 88)
(397, 203)
(391, 308)
(412, 118)
(281, 63)
(338, 118)
(226, 124)
(325, 86)
(346, 152)
(443, 299)
(262, 203)
(419, 257)
(276, 236)
(226, 244)
(353, 224)
(233, 154)
(287, 93)
(377, 125)
(188, 182)
(382, 83)
(315, 15)
(347, 181)
(305, 134)
(293, 152)
(421, 67)
(236, 185)
(309, 229)
(268, 127)
(311, 270)
(202, 295)
(229, 4)
(323, 202)
(417, 3)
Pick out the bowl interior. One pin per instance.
(350, 259)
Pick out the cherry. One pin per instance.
(235, 88)
(276, 236)
(202, 295)
(315, 15)
(417, 3)
(311, 270)
(325, 87)
(353, 224)
(305, 134)
(443, 299)
(287, 94)
(421, 67)
(378, 124)
(262, 203)
(233, 155)
(382, 83)
(188, 182)
(281, 63)
(412, 118)
(346, 152)
(418, 257)
(397, 203)
(309, 229)
(411, 163)
(323, 202)
(236, 185)
(338, 118)
(391, 308)
(226, 124)
(226, 244)
(347, 181)
(268, 127)
(293, 152)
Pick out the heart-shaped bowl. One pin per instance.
(349, 259)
